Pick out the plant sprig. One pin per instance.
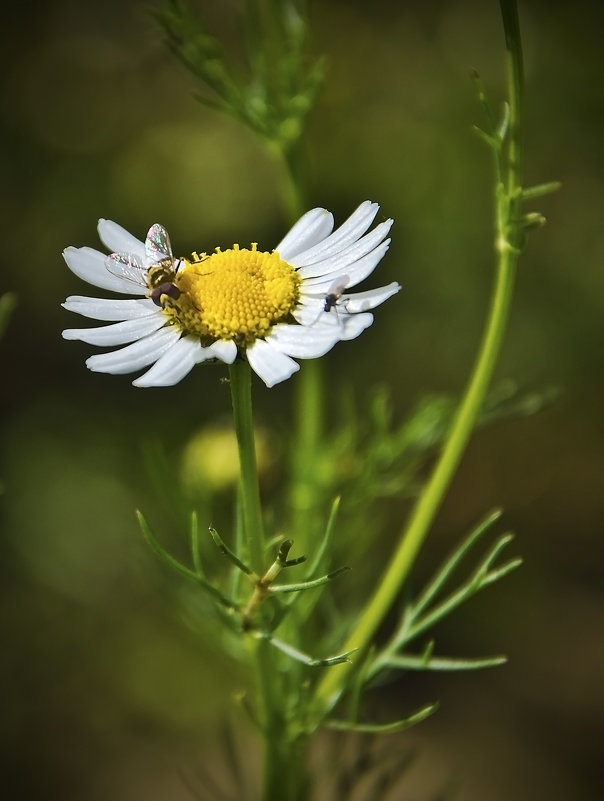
(510, 231)
(282, 80)
(429, 609)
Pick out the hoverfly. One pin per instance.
(162, 267)
(335, 292)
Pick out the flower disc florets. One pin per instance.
(236, 294)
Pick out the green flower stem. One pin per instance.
(279, 756)
(508, 236)
(274, 726)
(241, 395)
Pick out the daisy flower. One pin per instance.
(271, 308)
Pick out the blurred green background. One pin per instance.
(110, 690)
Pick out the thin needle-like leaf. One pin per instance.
(384, 728)
(483, 569)
(412, 662)
(480, 579)
(223, 548)
(168, 559)
(540, 190)
(482, 99)
(300, 656)
(360, 679)
(451, 563)
(317, 558)
(503, 126)
(490, 140)
(307, 585)
(501, 571)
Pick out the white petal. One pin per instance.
(117, 239)
(89, 265)
(356, 225)
(223, 349)
(356, 272)
(106, 309)
(363, 301)
(346, 256)
(206, 354)
(269, 363)
(303, 342)
(354, 324)
(139, 354)
(173, 366)
(119, 333)
(310, 309)
(311, 228)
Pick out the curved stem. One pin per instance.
(508, 236)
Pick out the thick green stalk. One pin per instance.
(241, 396)
(284, 756)
(277, 753)
(508, 237)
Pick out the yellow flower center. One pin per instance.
(235, 294)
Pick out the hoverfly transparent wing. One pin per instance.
(320, 305)
(334, 293)
(128, 266)
(330, 300)
(157, 244)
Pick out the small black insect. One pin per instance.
(335, 292)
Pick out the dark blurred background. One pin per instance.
(109, 692)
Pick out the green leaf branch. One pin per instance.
(274, 99)
(429, 609)
(282, 80)
(506, 143)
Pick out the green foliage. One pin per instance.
(394, 456)
(174, 564)
(282, 83)
(429, 608)
(385, 728)
(245, 608)
(369, 460)
(420, 615)
(512, 223)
